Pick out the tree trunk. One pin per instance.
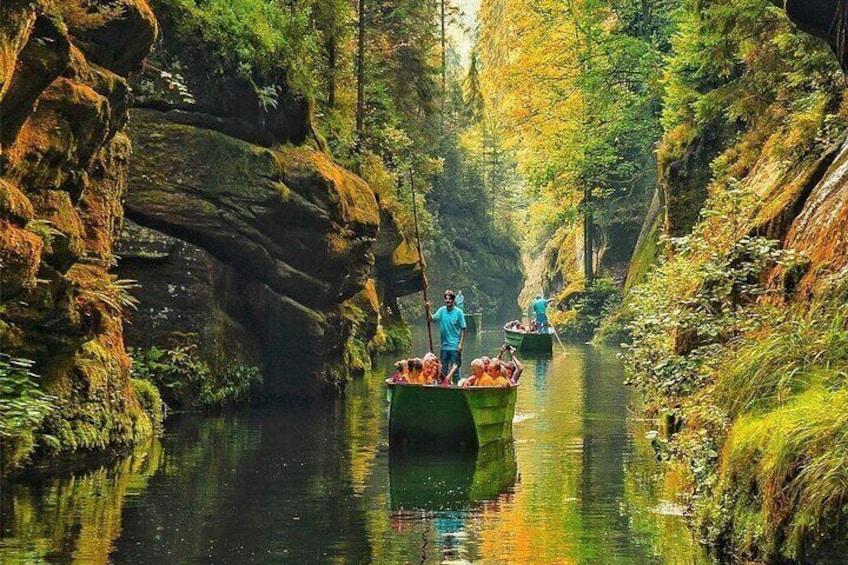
(444, 68)
(360, 75)
(588, 252)
(332, 54)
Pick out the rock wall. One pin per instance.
(256, 250)
(262, 250)
(64, 100)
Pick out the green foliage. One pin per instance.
(23, 408)
(585, 312)
(186, 381)
(693, 306)
(112, 292)
(258, 40)
(150, 400)
(803, 351)
(782, 490)
(738, 67)
(474, 244)
(397, 336)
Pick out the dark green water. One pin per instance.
(318, 484)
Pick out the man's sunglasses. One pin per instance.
(448, 297)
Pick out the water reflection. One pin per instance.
(450, 481)
(318, 484)
(71, 518)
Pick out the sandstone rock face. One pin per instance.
(64, 160)
(256, 250)
(819, 232)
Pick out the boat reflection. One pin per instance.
(451, 481)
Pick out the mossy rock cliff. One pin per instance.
(256, 250)
(64, 100)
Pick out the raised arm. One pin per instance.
(518, 366)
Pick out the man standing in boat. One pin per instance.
(538, 309)
(452, 332)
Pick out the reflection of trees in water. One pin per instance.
(542, 367)
(279, 492)
(645, 492)
(72, 517)
(605, 448)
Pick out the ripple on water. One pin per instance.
(522, 417)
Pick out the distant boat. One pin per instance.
(529, 341)
(450, 416)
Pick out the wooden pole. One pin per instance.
(421, 260)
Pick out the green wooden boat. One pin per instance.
(450, 416)
(529, 341)
(451, 480)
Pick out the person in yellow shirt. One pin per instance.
(476, 373)
(432, 370)
(496, 374)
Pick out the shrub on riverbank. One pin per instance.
(185, 381)
(584, 311)
(23, 408)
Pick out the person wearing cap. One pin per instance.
(451, 330)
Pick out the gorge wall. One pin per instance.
(65, 156)
(202, 213)
(263, 253)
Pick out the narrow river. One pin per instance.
(318, 484)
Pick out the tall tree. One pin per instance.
(473, 94)
(360, 73)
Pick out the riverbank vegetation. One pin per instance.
(743, 371)
(670, 147)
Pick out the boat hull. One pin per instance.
(451, 416)
(529, 341)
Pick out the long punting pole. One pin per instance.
(420, 260)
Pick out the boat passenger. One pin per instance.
(401, 374)
(486, 360)
(416, 371)
(513, 368)
(476, 373)
(432, 369)
(496, 373)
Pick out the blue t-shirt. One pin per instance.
(539, 306)
(451, 324)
